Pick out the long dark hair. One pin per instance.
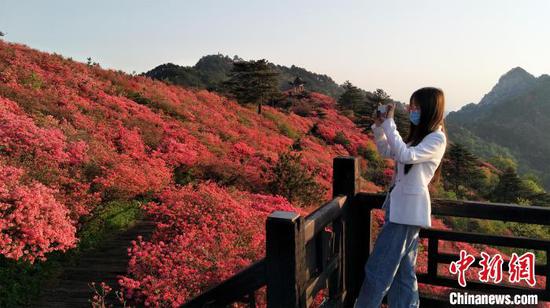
(432, 105)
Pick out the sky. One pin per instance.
(462, 47)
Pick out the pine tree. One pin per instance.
(509, 187)
(380, 96)
(371, 102)
(351, 98)
(461, 169)
(365, 109)
(401, 118)
(253, 82)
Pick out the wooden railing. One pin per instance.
(329, 248)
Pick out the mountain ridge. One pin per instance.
(211, 70)
(513, 117)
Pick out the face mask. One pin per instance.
(414, 116)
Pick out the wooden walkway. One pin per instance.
(99, 265)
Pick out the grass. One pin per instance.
(286, 130)
(283, 127)
(107, 221)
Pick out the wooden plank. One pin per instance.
(318, 254)
(252, 299)
(313, 266)
(320, 282)
(480, 238)
(432, 256)
(325, 254)
(244, 282)
(472, 209)
(323, 216)
(493, 211)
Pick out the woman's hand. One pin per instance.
(380, 117)
(391, 111)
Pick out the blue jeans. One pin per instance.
(390, 267)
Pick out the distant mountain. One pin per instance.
(509, 85)
(211, 70)
(512, 120)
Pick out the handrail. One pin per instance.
(472, 209)
(482, 238)
(233, 289)
(322, 216)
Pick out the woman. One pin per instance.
(391, 265)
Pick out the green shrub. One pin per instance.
(20, 282)
(183, 175)
(340, 138)
(375, 172)
(367, 153)
(158, 104)
(292, 180)
(286, 130)
(34, 81)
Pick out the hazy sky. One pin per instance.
(461, 46)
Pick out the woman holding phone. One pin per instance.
(390, 268)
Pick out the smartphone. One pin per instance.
(382, 109)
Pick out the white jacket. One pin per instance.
(410, 198)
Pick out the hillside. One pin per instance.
(107, 119)
(211, 70)
(79, 145)
(510, 121)
(74, 137)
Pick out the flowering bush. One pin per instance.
(32, 221)
(204, 235)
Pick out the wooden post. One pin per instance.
(356, 227)
(345, 176)
(252, 299)
(285, 256)
(432, 256)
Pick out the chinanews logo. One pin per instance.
(520, 268)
